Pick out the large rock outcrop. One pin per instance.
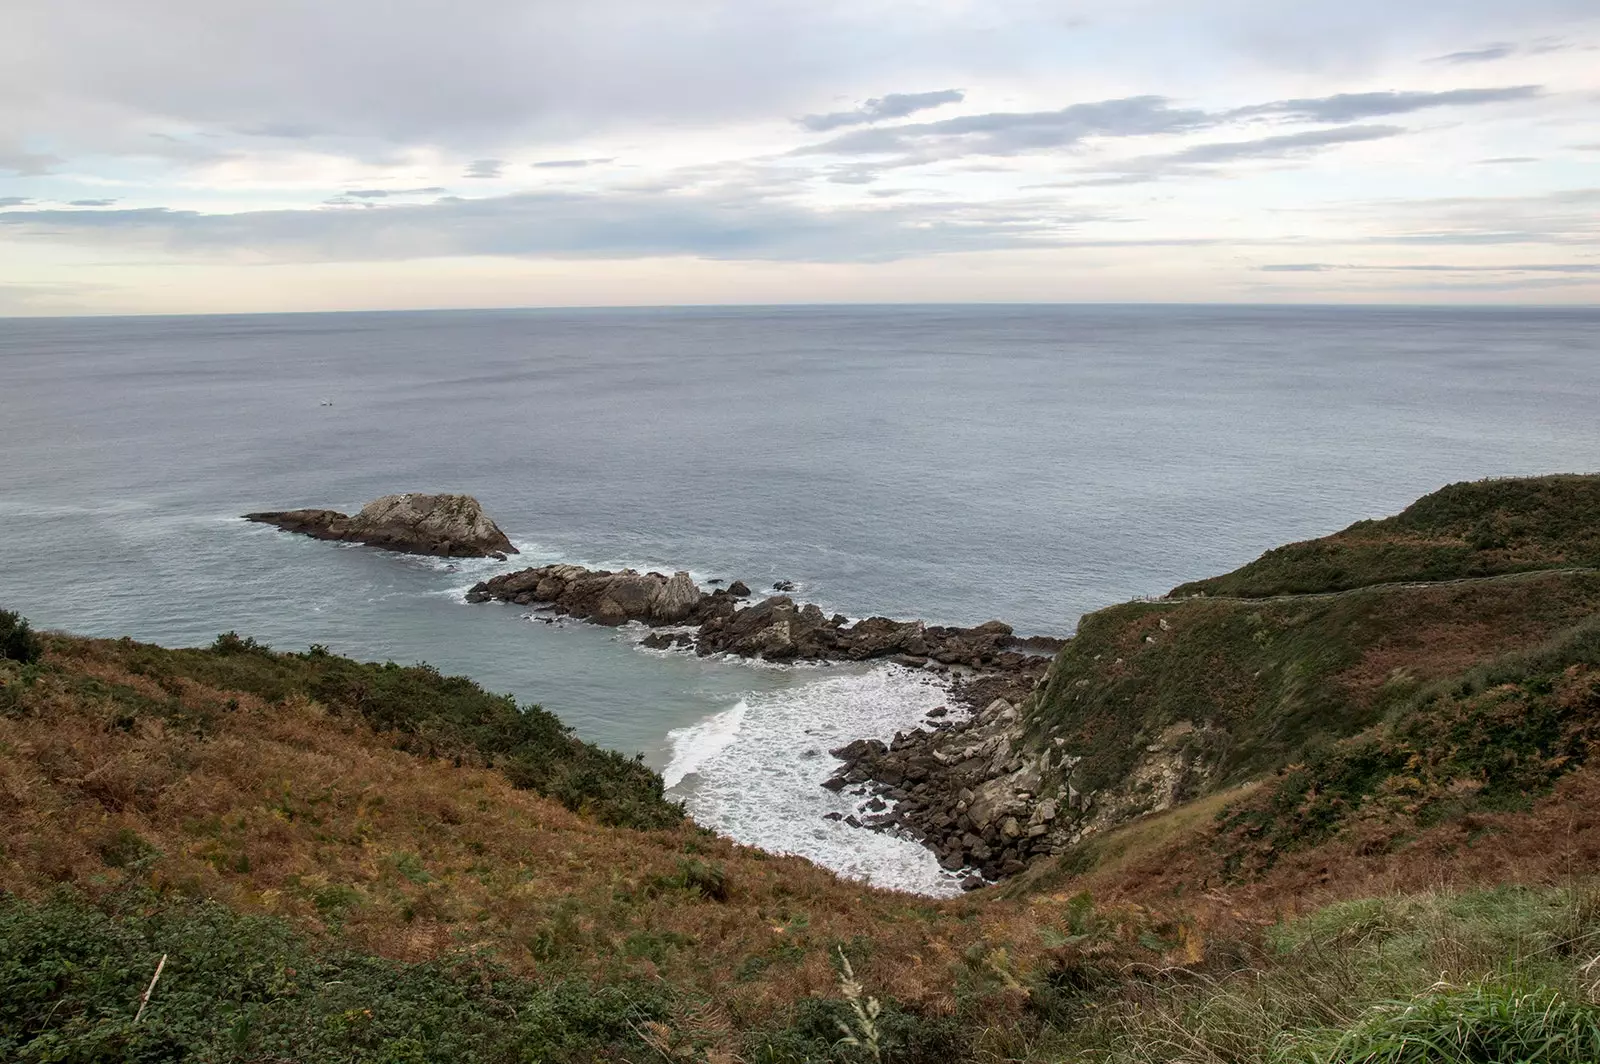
(450, 526)
(774, 629)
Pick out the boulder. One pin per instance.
(636, 595)
(450, 526)
(739, 589)
(677, 599)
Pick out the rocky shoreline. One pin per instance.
(982, 659)
(916, 786)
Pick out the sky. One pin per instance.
(185, 156)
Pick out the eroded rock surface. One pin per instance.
(980, 795)
(450, 526)
(775, 628)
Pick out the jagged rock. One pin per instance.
(859, 749)
(450, 526)
(739, 589)
(676, 599)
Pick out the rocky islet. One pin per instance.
(448, 526)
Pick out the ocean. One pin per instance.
(953, 463)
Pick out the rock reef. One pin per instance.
(773, 629)
(449, 526)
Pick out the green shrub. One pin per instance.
(701, 878)
(815, 1034)
(434, 715)
(1472, 529)
(17, 640)
(1487, 1023)
(246, 989)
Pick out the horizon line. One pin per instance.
(907, 304)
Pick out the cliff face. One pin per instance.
(452, 526)
(1153, 704)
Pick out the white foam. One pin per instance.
(754, 772)
(694, 745)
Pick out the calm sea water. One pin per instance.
(950, 463)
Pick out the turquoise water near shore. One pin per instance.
(950, 463)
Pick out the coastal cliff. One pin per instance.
(1154, 704)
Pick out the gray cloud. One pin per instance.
(91, 203)
(1297, 267)
(1004, 133)
(1354, 106)
(1486, 54)
(14, 201)
(1504, 159)
(27, 163)
(385, 193)
(1202, 159)
(727, 224)
(569, 164)
(894, 105)
(485, 168)
(1279, 147)
(1011, 133)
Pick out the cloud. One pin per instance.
(1503, 159)
(1004, 133)
(1202, 159)
(14, 201)
(1279, 147)
(1354, 106)
(727, 224)
(1487, 54)
(27, 163)
(1018, 133)
(1297, 267)
(1569, 217)
(91, 203)
(385, 193)
(895, 105)
(1491, 52)
(569, 164)
(485, 168)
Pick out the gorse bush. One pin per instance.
(434, 715)
(17, 640)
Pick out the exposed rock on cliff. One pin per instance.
(1155, 703)
(450, 526)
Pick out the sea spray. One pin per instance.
(754, 771)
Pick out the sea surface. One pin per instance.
(951, 463)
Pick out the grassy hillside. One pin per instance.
(1263, 682)
(1481, 528)
(1486, 776)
